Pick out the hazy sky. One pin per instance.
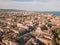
(32, 5)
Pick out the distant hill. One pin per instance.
(14, 10)
(6, 10)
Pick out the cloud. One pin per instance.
(35, 5)
(5, 0)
